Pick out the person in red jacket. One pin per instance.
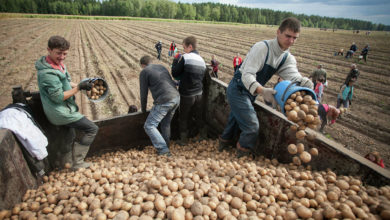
(237, 60)
(172, 49)
(375, 158)
(214, 64)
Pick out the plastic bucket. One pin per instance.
(97, 82)
(285, 88)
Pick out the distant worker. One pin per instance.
(237, 60)
(375, 158)
(345, 96)
(353, 74)
(158, 47)
(328, 115)
(320, 72)
(58, 101)
(341, 52)
(172, 49)
(364, 53)
(214, 65)
(190, 69)
(263, 60)
(156, 78)
(351, 50)
(319, 89)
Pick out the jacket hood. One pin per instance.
(41, 64)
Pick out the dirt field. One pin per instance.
(111, 49)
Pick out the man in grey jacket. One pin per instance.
(166, 100)
(264, 59)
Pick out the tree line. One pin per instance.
(169, 9)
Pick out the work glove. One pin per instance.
(268, 96)
(306, 82)
(85, 85)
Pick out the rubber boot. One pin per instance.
(67, 158)
(224, 144)
(242, 152)
(183, 139)
(202, 134)
(79, 153)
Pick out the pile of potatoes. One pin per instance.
(98, 89)
(302, 109)
(198, 183)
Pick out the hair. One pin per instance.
(191, 40)
(145, 60)
(320, 65)
(290, 23)
(58, 42)
(376, 155)
(321, 80)
(353, 66)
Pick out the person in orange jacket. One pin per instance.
(237, 60)
(375, 158)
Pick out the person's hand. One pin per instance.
(306, 82)
(268, 95)
(85, 85)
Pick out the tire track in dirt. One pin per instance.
(130, 63)
(101, 61)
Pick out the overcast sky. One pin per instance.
(376, 11)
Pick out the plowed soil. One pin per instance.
(112, 49)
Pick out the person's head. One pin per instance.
(132, 109)
(238, 54)
(353, 43)
(320, 66)
(58, 47)
(353, 66)
(189, 44)
(145, 60)
(288, 32)
(320, 80)
(374, 157)
(213, 57)
(333, 113)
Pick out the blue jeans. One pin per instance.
(162, 113)
(242, 115)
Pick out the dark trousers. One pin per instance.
(88, 132)
(190, 106)
(159, 54)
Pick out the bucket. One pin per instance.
(285, 88)
(100, 89)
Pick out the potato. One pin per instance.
(309, 118)
(300, 134)
(293, 104)
(287, 108)
(313, 112)
(296, 161)
(300, 147)
(301, 114)
(303, 212)
(313, 151)
(288, 101)
(329, 212)
(299, 99)
(305, 157)
(304, 108)
(292, 116)
(293, 96)
(197, 208)
(292, 149)
(307, 98)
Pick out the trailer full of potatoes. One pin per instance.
(197, 183)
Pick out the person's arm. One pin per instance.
(143, 86)
(178, 68)
(252, 63)
(341, 91)
(70, 93)
(320, 91)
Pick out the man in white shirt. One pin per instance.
(264, 59)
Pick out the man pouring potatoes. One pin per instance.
(58, 101)
(263, 60)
